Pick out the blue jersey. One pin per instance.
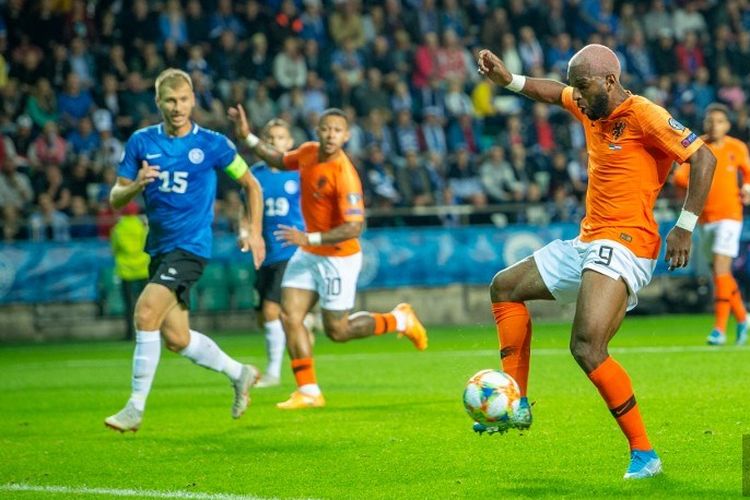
(180, 202)
(281, 205)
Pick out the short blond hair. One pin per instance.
(171, 77)
(275, 122)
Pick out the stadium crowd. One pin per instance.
(76, 79)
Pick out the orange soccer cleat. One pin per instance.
(415, 330)
(300, 401)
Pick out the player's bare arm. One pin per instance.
(272, 156)
(538, 89)
(679, 239)
(125, 189)
(293, 236)
(251, 222)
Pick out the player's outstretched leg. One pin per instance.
(602, 302)
(204, 352)
(402, 320)
(508, 291)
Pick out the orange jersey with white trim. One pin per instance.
(724, 200)
(330, 195)
(630, 155)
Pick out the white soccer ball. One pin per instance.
(491, 398)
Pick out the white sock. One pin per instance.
(204, 352)
(309, 389)
(400, 319)
(275, 343)
(145, 360)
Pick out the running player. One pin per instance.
(631, 143)
(326, 265)
(281, 206)
(721, 220)
(173, 164)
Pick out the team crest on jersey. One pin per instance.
(675, 124)
(618, 129)
(354, 198)
(291, 187)
(196, 155)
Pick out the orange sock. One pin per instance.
(384, 323)
(723, 285)
(304, 371)
(614, 385)
(514, 335)
(736, 303)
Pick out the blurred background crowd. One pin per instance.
(76, 79)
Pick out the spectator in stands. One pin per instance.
(82, 62)
(348, 63)
(197, 23)
(414, 181)
(80, 178)
(498, 179)
(381, 58)
(15, 187)
(730, 91)
(150, 65)
(425, 66)
(111, 148)
(457, 102)
(139, 26)
(541, 136)
(260, 108)
(137, 102)
(433, 133)
(510, 54)
(48, 223)
(464, 181)
(313, 23)
(740, 54)
(345, 24)
(315, 99)
(380, 179)
(224, 19)
(639, 59)
(559, 53)
(128, 238)
(401, 98)
(465, 133)
(689, 53)
(530, 50)
(370, 94)
(49, 148)
(41, 105)
(11, 99)
(286, 23)
(172, 23)
(657, 21)
(378, 132)
(21, 141)
(688, 19)
(82, 224)
(289, 67)
(453, 60)
(74, 102)
(80, 22)
(84, 139)
(406, 133)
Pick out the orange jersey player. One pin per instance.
(721, 220)
(631, 145)
(327, 262)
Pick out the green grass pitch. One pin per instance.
(394, 426)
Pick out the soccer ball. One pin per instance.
(491, 398)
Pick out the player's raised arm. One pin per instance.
(126, 189)
(679, 239)
(267, 152)
(538, 89)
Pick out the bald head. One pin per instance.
(594, 60)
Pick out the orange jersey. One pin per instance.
(723, 201)
(630, 155)
(330, 193)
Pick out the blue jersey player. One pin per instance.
(281, 206)
(174, 165)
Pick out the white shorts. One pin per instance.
(333, 278)
(561, 264)
(722, 237)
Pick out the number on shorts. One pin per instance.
(333, 286)
(605, 254)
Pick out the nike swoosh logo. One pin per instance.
(152, 156)
(166, 277)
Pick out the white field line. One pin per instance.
(123, 492)
(365, 356)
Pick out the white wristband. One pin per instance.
(687, 220)
(517, 83)
(315, 239)
(252, 140)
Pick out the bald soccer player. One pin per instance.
(631, 144)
